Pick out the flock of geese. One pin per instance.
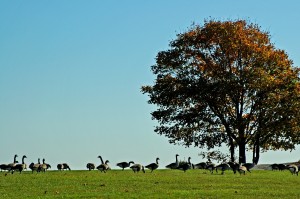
(104, 167)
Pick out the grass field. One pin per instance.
(159, 184)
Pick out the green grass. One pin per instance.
(159, 184)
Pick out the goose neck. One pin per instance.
(23, 159)
(15, 159)
(101, 159)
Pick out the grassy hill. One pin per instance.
(159, 184)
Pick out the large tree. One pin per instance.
(224, 82)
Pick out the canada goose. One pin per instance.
(60, 167)
(242, 169)
(11, 165)
(201, 165)
(66, 166)
(186, 165)
(137, 167)
(124, 165)
(4, 167)
(43, 167)
(293, 169)
(20, 167)
(234, 166)
(281, 167)
(210, 166)
(274, 167)
(90, 166)
(35, 167)
(223, 167)
(173, 165)
(103, 167)
(153, 165)
(249, 166)
(63, 166)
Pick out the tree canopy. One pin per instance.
(224, 82)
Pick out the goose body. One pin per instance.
(60, 167)
(4, 167)
(173, 165)
(201, 165)
(242, 169)
(66, 166)
(234, 166)
(153, 165)
(103, 167)
(293, 169)
(211, 167)
(274, 167)
(63, 166)
(124, 165)
(223, 167)
(44, 167)
(35, 166)
(90, 166)
(10, 166)
(185, 166)
(137, 167)
(20, 167)
(281, 167)
(249, 166)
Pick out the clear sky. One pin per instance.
(71, 73)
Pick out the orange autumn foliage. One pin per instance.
(225, 82)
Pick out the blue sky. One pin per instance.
(71, 73)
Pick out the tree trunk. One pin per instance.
(257, 155)
(231, 149)
(242, 151)
(257, 150)
(253, 152)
